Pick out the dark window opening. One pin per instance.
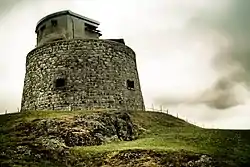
(60, 83)
(130, 84)
(120, 102)
(91, 28)
(57, 39)
(54, 23)
(43, 28)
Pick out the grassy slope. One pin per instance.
(164, 133)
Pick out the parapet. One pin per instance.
(65, 25)
(118, 40)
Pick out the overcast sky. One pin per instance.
(193, 56)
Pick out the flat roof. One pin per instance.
(67, 12)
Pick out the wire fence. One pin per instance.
(155, 109)
(177, 115)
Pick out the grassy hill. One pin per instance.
(164, 141)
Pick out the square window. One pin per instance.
(43, 28)
(54, 23)
(130, 84)
(60, 83)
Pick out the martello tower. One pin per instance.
(72, 69)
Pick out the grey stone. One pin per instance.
(81, 77)
(78, 71)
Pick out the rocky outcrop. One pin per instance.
(126, 158)
(51, 142)
(83, 130)
(138, 158)
(51, 138)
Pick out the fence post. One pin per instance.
(153, 107)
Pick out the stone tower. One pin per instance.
(72, 69)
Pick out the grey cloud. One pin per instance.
(221, 95)
(171, 100)
(233, 59)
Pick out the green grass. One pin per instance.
(163, 133)
(167, 133)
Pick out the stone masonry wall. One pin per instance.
(81, 74)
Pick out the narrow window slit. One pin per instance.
(130, 84)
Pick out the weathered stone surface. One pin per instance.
(87, 130)
(66, 25)
(81, 74)
(149, 158)
(51, 139)
(125, 158)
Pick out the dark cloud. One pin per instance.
(221, 95)
(232, 60)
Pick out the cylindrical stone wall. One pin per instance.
(82, 74)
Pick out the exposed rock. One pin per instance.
(50, 139)
(84, 130)
(149, 158)
(50, 142)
